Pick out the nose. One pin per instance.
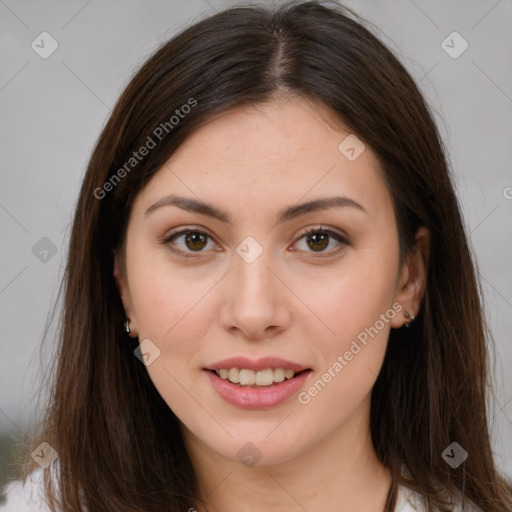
(255, 304)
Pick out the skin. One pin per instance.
(252, 162)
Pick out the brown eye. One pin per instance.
(318, 241)
(188, 242)
(195, 241)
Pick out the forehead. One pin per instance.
(276, 153)
(285, 130)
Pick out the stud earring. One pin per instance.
(409, 317)
(127, 326)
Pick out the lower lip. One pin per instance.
(247, 397)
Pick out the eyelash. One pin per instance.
(324, 231)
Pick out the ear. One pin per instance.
(413, 278)
(124, 292)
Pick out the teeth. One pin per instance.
(279, 374)
(265, 377)
(234, 375)
(246, 377)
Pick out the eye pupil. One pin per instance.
(319, 238)
(195, 238)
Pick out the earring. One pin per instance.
(408, 316)
(127, 326)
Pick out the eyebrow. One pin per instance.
(284, 215)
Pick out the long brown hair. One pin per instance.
(118, 442)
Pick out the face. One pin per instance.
(283, 289)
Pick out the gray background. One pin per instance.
(53, 109)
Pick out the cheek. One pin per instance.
(167, 299)
(356, 312)
(354, 296)
(173, 310)
(350, 360)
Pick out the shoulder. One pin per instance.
(26, 498)
(410, 501)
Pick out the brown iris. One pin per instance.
(195, 241)
(321, 240)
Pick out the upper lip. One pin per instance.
(256, 364)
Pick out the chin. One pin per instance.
(253, 449)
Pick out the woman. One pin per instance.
(270, 303)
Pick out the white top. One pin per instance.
(29, 498)
(409, 501)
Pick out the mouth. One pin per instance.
(257, 384)
(246, 377)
